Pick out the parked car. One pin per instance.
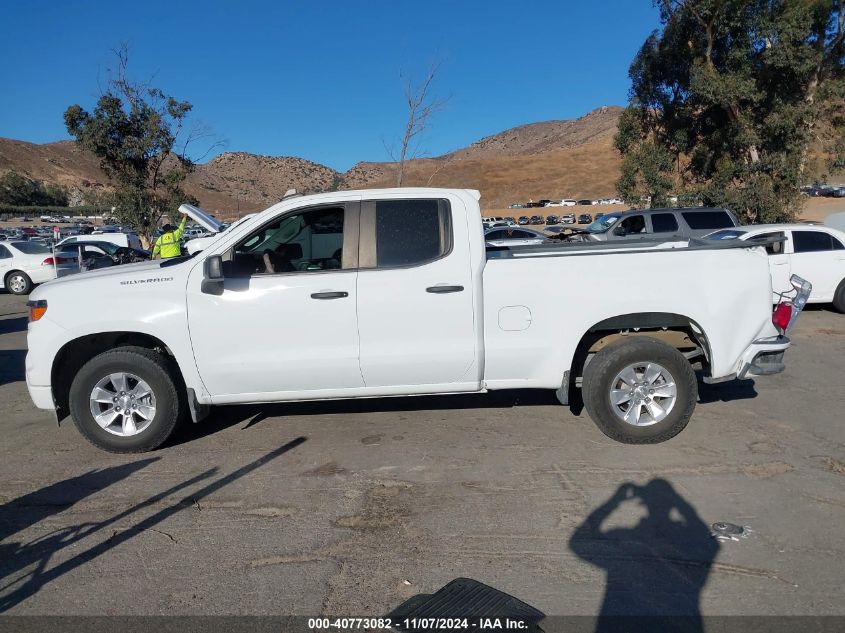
(515, 205)
(552, 219)
(130, 240)
(568, 218)
(98, 254)
(567, 202)
(513, 237)
(585, 202)
(683, 222)
(399, 303)
(25, 264)
(813, 251)
(585, 218)
(537, 219)
(524, 219)
(554, 203)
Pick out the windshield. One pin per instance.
(726, 234)
(603, 223)
(31, 248)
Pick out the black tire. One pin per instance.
(603, 368)
(839, 298)
(157, 370)
(23, 277)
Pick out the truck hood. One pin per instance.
(124, 272)
(201, 217)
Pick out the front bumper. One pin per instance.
(42, 396)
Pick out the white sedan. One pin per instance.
(812, 251)
(24, 264)
(513, 236)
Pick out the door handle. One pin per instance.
(330, 295)
(439, 290)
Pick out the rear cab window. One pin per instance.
(704, 220)
(404, 233)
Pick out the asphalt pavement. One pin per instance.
(350, 508)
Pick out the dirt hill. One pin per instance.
(551, 159)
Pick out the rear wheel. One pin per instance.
(639, 390)
(18, 283)
(839, 297)
(126, 400)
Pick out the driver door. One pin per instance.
(285, 326)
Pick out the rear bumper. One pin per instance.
(764, 357)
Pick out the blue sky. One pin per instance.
(321, 80)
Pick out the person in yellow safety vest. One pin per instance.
(167, 245)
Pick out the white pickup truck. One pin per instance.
(392, 293)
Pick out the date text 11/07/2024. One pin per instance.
(432, 624)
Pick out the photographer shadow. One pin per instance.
(656, 569)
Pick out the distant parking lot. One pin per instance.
(350, 508)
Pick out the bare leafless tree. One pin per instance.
(440, 165)
(421, 106)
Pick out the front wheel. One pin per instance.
(639, 390)
(18, 283)
(126, 400)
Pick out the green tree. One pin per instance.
(19, 190)
(141, 136)
(729, 98)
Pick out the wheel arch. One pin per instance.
(682, 332)
(75, 353)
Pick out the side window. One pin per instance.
(632, 225)
(4, 252)
(306, 241)
(811, 241)
(771, 249)
(837, 245)
(702, 220)
(93, 250)
(407, 232)
(663, 223)
(495, 235)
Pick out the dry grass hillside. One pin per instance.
(551, 159)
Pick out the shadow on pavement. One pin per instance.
(657, 567)
(26, 567)
(8, 326)
(726, 391)
(12, 365)
(223, 417)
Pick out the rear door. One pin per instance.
(819, 258)
(415, 296)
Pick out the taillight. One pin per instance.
(781, 316)
(36, 309)
(48, 262)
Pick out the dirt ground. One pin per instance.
(350, 508)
